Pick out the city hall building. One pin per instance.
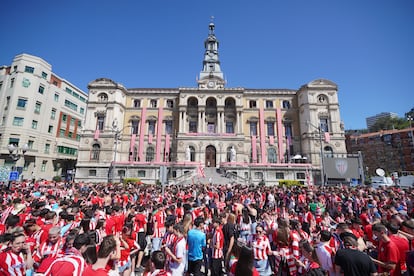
(195, 133)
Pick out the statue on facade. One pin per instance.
(188, 153)
(232, 154)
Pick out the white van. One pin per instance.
(381, 181)
(406, 181)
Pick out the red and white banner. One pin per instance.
(254, 149)
(201, 171)
(132, 147)
(327, 137)
(97, 133)
(167, 147)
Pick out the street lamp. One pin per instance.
(117, 136)
(15, 154)
(322, 161)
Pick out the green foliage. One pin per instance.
(57, 178)
(131, 180)
(290, 183)
(390, 123)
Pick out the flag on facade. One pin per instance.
(201, 171)
(96, 136)
(327, 137)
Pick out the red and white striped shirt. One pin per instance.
(12, 263)
(159, 220)
(261, 248)
(73, 263)
(48, 249)
(217, 243)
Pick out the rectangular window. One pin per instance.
(72, 121)
(15, 68)
(79, 123)
(258, 175)
(47, 148)
(34, 124)
(38, 105)
(29, 69)
(30, 144)
(44, 75)
(82, 99)
(56, 97)
(141, 173)
(137, 103)
(324, 124)
(168, 127)
(41, 89)
(68, 90)
(229, 127)
(270, 128)
(252, 104)
(70, 134)
(21, 103)
(300, 175)
(18, 121)
(134, 127)
(151, 127)
(77, 137)
(61, 132)
(50, 129)
(92, 172)
(14, 141)
(280, 175)
(82, 110)
(12, 82)
(43, 168)
(53, 114)
(100, 121)
(269, 104)
(1, 84)
(153, 103)
(170, 103)
(253, 128)
(193, 127)
(71, 105)
(64, 117)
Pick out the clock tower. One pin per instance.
(211, 77)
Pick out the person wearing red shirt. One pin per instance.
(109, 249)
(388, 253)
(402, 244)
(12, 259)
(128, 247)
(49, 250)
(72, 262)
(159, 228)
(140, 224)
(217, 244)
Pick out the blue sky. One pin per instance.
(366, 47)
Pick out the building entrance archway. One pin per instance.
(210, 156)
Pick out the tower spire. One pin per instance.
(211, 75)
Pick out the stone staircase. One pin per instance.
(211, 174)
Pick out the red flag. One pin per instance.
(201, 171)
(327, 137)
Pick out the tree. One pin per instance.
(389, 123)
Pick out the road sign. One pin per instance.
(14, 175)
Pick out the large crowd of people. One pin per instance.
(205, 229)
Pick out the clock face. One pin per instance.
(210, 84)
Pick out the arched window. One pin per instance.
(102, 97)
(192, 153)
(150, 154)
(96, 150)
(271, 155)
(328, 151)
